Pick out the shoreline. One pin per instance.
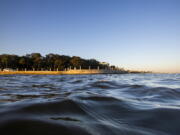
(69, 72)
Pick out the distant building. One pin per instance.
(8, 69)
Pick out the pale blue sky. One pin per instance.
(134, 34)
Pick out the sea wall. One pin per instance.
(92, 71)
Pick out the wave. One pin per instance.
(98, 115)
(88, 105)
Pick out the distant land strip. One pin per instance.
(84, 71)
(52, 64)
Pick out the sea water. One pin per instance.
(114, 104)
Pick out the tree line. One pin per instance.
(35, 61)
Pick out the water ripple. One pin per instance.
(127, 104)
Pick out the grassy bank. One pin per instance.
(95, 71)
(29, 72)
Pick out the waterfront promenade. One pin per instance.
(78, 71)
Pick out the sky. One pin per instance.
(133, 34)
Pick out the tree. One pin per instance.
(37, 60)
(53, 61)
(76, 61)
(5, 60)
(22, 62)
